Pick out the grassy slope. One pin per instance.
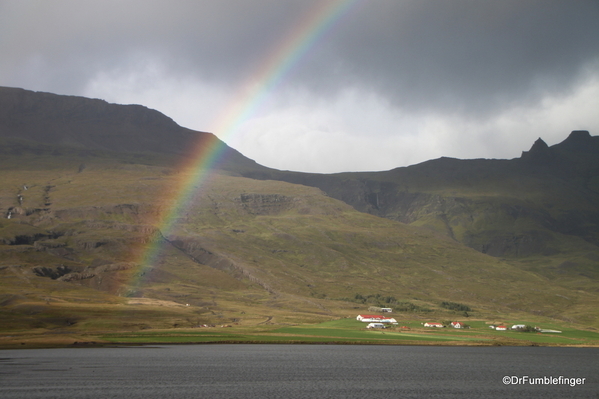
(526, 215)
(245, 252)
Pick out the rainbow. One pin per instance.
(286, 56)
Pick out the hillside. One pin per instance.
(82, 243)
(44, 123)
(275, 248)
(539, 212)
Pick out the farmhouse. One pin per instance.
(438, 325)
(457, 324)
(361, 317)
(501, 328)
(369, 318)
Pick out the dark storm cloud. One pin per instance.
(451, 55)
(467, 55)
(399, 81)
(214, 39)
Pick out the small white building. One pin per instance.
(368, 318)
(437, 325)
(375, 325)
(363, 317)
(518, 326)
(457, 324)
(501, 328)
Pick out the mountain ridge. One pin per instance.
(78, 216)
(87, 125)
(566, 174)
(401, 194)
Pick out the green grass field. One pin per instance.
(339, 331)
(350, 331)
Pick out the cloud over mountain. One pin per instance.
(402, 81)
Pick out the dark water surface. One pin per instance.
(297, 371)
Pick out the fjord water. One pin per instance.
(295, 371)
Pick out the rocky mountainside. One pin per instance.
(544, 204)
(541, 209)
(85, 185)
(81, 249)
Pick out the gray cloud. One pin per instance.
(457, 63)
(468, 55)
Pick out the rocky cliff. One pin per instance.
(544, 204)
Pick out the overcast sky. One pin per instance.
(384, 83)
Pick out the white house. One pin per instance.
(518, 326)
(501, 328)
(361, 317)
(368, 318)
(457, 324)
(438, 325)
(375, 325)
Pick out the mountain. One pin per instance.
(539, 211)
(83, 245)
(92, 126)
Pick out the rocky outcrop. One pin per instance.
(579, 141)
(539, 152)
(50, 272)
(265, 204)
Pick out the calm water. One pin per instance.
(295, 371)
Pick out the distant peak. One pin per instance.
(539, 145)
(539, 152)
(580, 141)
(579, 135)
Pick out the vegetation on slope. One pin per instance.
(80, 215)
(539, 212)
(244, 252)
